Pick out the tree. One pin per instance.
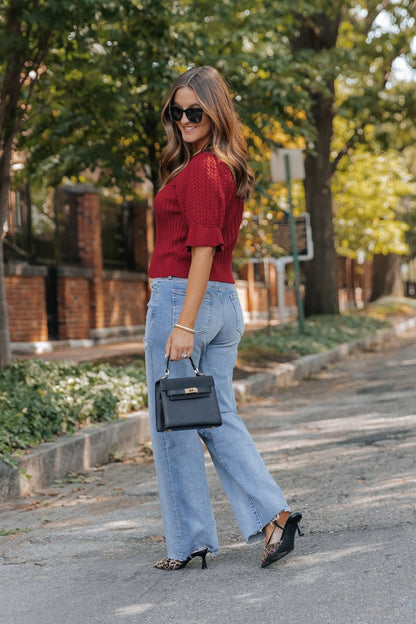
(317, 34)
(99, 109)
(29, 30)
(369, 204)
(351, 55)
(373, 195)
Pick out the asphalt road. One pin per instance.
(342, 445)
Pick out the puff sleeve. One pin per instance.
(203, 194)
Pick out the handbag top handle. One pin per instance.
(196, 369)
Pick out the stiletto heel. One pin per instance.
(203, 555)
(275, 551)
(176, 564)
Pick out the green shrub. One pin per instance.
(321, 333)
(40, 400)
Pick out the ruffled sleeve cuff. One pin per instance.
(205, 236)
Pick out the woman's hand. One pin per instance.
(180, 344)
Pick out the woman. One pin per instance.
(194, 311)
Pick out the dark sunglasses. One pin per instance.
(176, 112)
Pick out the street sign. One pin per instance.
(281, 234)
(278, 166)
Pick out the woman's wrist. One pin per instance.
(188, 329)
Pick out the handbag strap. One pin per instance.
(196, 369)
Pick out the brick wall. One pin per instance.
(25, 294)
(90, 248)
(125, 298)
(73, 303)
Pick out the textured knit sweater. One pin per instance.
(198, 207)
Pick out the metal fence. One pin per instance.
(50, 237)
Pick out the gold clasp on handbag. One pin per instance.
(191, 390)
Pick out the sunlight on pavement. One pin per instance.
(133, 610)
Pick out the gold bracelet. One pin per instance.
(188, 329)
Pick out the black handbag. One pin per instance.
(186, 402)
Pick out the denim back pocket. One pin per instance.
(204, 318)
(239, 317)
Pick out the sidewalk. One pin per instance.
(96, 445)
(89, 352)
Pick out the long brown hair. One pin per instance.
(227, 141)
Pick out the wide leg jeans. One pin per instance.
(179, 456)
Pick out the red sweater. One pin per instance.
(198, 207)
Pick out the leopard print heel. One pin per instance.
(170, 564)
(177, 564)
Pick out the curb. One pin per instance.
(83, 450)
(95, 445)
(98, 337)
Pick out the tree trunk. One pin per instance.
(5, 352)
(386, 279)
(321, 291)
(318, 33)
(9, 100)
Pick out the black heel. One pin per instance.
(274, 552)
(203, 555)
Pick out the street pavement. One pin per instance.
(342, 445)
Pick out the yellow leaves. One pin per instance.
(257, 141)
(273, 131)
(278, 136)
(346, 35)
(368, 194)
(246, 131)
(299, 115)
(126, 141)
(369, 132)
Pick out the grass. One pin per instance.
(321, 332)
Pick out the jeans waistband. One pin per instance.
(182, 281)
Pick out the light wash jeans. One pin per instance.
(179, 456)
